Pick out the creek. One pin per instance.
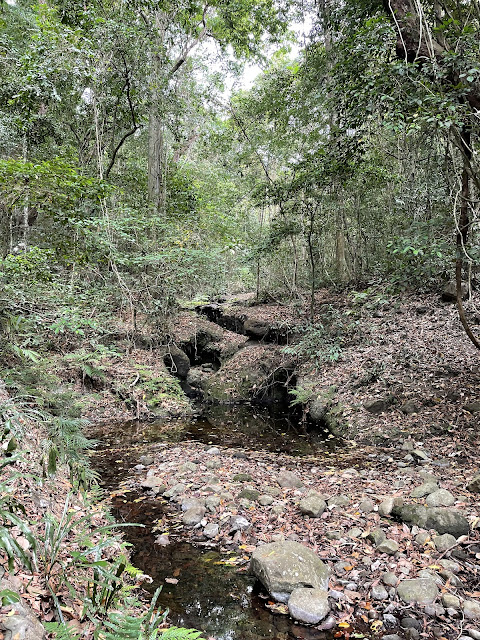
(222, 601)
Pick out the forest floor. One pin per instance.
(405, 381)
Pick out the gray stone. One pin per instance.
(188, 467)
(410, 623)
(388, 546)
(284, 566)
(377, 406)
(442, 543)
(474, 484)
(450, 601)
(338, 501)
(418, 454)
(447, 521)
(289, 480)
(313, 506)
(419, 590)
(472, 407)
(473, 633)
(451, 577)
(409, 407)
(440, 498)
(366, 506)
(245, 504)
(211, 530)
(212, 502)
(146, 460)
(193, 516)
(318, 409)
(242, 477)
(392, 636)
(450, 565)
(389, 578)
(189, 503)
(471, 609)
(379, 592)
(176, 490)
(422, 538)
(424, 489)
(23, 624)
(354, 532)
(309, 606)
(271, 491)
(152, 482)
(431, 575)
(265, 500)
(213, 451)
(278, 509)
(377, 536)
(333, 535)
(177, 362)
(239, 523)
(249, 494)
(386, 506)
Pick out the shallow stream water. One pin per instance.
(222, 601)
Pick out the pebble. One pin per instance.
(390, 579)
(367, 506)
(473, 633)
(213, 451)
(390, 620)
(379, 592)
(471, 609)
(422, 538)
(355, 532)
(388, 546)
(265, 500)
(239, 523)
(410, 623)
(212, 502)
(385, 507)
(440, 498)
(444, 542)
(211, 530)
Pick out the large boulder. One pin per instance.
(284, 566)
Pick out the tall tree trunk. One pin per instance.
(157, 188)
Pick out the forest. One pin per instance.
(239, 319)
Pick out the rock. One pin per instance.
(471, 609)
(242, 477)
(473, 633)
(289, 480)
(309, 606)
(193, 516)
(449, 565)
(366, 506)
(447, 521)
(278, 509)
(284, 566)
(23, 624)
(271, 491)
(176, 490)
(355, 532)
(245, 504)
(146, 460)
(249, 494)
(431, 575)
(212, 502)
(391, 636)
(422, 538)
(256, 328)
(451, 577)
(177, 362)
(239, 523)
(338, 501)
(378, 592)
(442, 543)
(265, 500)
(385, 507)
(312, 506)
(190, 503)
(188, 467)
(409, 407)
(440, 498)
(152, 482)
(424, 489)
(449, 291)
(410, 623)
(418, 454)
(389, 578)
(419, 590)
(318, 409)
(377, 406)
(333, 535)
(412, 513)
(474, 484)
(213, 451)
(472, 407)
(450, 601)
(211, 530)
(388, 546)
(377, 536)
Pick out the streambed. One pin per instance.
(221, 600)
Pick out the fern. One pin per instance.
(177, 633)
(61, 631)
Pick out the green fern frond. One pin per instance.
(61, 631)
(178, 633)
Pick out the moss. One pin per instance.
(158, 387)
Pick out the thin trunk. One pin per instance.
(25, 205)
(462, 231)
